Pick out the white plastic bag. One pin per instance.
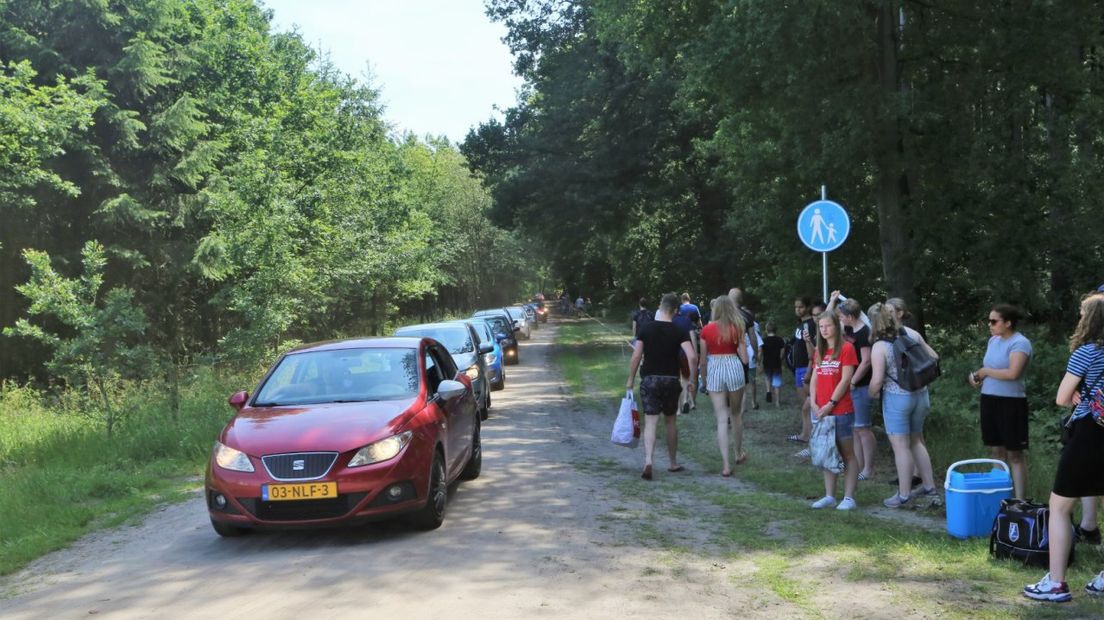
(822, 446)
(626, 428)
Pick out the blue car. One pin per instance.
(496, 369)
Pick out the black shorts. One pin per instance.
(660, 394)
(1004, 422)
(1080, 461)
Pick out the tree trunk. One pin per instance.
(892, 178)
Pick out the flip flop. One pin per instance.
(743, 459)
(863, 476)
(726, 474)
(676, 468)
(796, 439)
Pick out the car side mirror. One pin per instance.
(486, 347)
(237, 399)
(450, 390)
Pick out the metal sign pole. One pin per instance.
(824, 255)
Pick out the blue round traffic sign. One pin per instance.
(823, 226)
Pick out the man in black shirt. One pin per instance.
(658, 343)
(804, 343)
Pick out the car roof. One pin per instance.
(382, 342)
(459, 324)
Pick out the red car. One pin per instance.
(343, 432)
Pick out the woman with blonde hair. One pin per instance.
(903, 411)
(722, 360)
(1083, 457)
(834, 364)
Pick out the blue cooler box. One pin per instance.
(973, 500)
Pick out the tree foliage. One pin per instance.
(246, 192)
(678, 142)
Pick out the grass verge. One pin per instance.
(62, 477)
(903, 560)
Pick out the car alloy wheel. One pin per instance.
(475, 461)
(432, 515)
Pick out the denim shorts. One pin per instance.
(799, 377)
(904, 413)
(860, 396)
(845, 424)
(774, 377)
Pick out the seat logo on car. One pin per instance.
(298, 465)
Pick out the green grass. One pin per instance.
(62, 477)
(922, 568)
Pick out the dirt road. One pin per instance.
(542, 533)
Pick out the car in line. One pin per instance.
(521, 319)
(496, 371)
(463, 344)
(346, 432)
(505, 329)
(542, 312)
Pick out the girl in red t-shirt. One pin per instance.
(722, 360)
(835, 361)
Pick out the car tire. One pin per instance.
(485, 410)
(226, 530)
(475, 462)
(432, 514)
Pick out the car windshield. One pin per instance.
(341, 376)
(483, 331)
(515, 313)
(498, 325)
(456, 339)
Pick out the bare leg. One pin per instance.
(721, 411)
(806, 423)
(737, 425)
(672, 440)
(902, 456)
(851, 466)
(865, 448)
(650, 425)
(1088, 513)
(921, 460)
(1017, 462)
(1061, 535)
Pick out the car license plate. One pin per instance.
(291, 492)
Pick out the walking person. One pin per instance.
(903, 411)
(858, 334)
(688, 318)
(1082, 458)
(1004, 412)
(641, 316)
(802, 355)
(835, 362)
(773, 348)
(658, 344)
(722, 367)
(751, 338)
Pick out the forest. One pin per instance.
(671, 145)
(181, 184)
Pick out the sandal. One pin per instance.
(676, 468)
(726, 474)
(863, 476)
(804, 454)
(743, 459)
(647, 473)
(796, 439)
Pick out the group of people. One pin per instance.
(843, 359)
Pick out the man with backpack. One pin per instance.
(639, 318)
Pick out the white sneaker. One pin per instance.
(1096, 586)
(847, 504)
(825, 502)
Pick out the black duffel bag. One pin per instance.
(1020, 532)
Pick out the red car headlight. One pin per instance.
(382, 450)
(229, 458)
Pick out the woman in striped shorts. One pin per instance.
(722, 360)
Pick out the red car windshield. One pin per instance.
(340, 376)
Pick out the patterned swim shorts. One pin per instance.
(660, 394)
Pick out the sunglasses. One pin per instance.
(994, 321)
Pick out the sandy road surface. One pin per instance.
(535, 536)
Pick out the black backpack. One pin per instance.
(788, 352)
(1020, 533)
(916, 368)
